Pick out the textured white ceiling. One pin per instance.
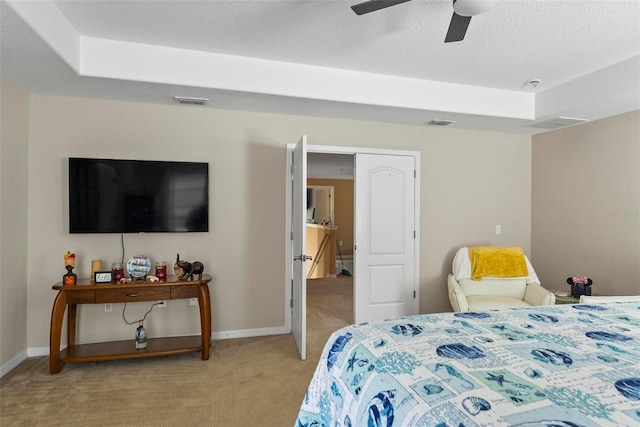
(556, 41)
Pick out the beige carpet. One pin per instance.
(246, 382)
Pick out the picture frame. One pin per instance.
(103, 277)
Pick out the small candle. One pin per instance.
(96, 265)
(118, 272)
(161, 271)
(70, 259)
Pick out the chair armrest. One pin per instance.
(457, 297)
(537, 295)
(588, 299)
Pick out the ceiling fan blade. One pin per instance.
(457, 28)
(373, 5)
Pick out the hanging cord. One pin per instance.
(125, 304)
(122, 244)
(140, 320)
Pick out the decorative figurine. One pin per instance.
(69, 262)
(580, 286)
(185, 270)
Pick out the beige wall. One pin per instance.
(585, 195)
(471, 181)
(13, 223)
(586, 205)
(342, 209)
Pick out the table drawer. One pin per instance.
(81, 297)
(183, 292)
(133, 295)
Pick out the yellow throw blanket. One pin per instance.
(493, 261)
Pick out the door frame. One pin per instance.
(330, 149)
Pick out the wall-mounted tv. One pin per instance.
(137, 196)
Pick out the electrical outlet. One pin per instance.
(193, 301)
(108, 308)
(162, 304)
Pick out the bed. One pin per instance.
(565, 365)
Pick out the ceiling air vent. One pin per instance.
(438, 122)
(190, 100)
(558, 122)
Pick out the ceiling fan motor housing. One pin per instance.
(472, 7)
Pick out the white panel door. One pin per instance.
(298, 246)
(384, 282)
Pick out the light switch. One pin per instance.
(498, 229)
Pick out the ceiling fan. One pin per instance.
(463, 10)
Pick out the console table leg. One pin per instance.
(71, 324)
(204, 300)
(57, 314)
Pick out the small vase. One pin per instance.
(141, 337)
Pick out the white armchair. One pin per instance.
(466, 294)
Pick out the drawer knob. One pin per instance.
(133, 295)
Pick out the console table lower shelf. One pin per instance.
(86, 292)
(115, 350)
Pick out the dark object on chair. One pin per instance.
(185, 270)
(580, 286)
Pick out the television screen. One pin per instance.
(137, 196)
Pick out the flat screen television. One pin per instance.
(137, 196)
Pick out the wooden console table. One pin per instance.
(86, 292)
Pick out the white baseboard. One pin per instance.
(221, 335)
(11, 364)
(248, 333)
(38, 351)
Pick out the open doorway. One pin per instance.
(330, 295)
(385, 233)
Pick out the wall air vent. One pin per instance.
(438, 122)
(558, 122)
(190, 100)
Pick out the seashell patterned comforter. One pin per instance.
(565, 365)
